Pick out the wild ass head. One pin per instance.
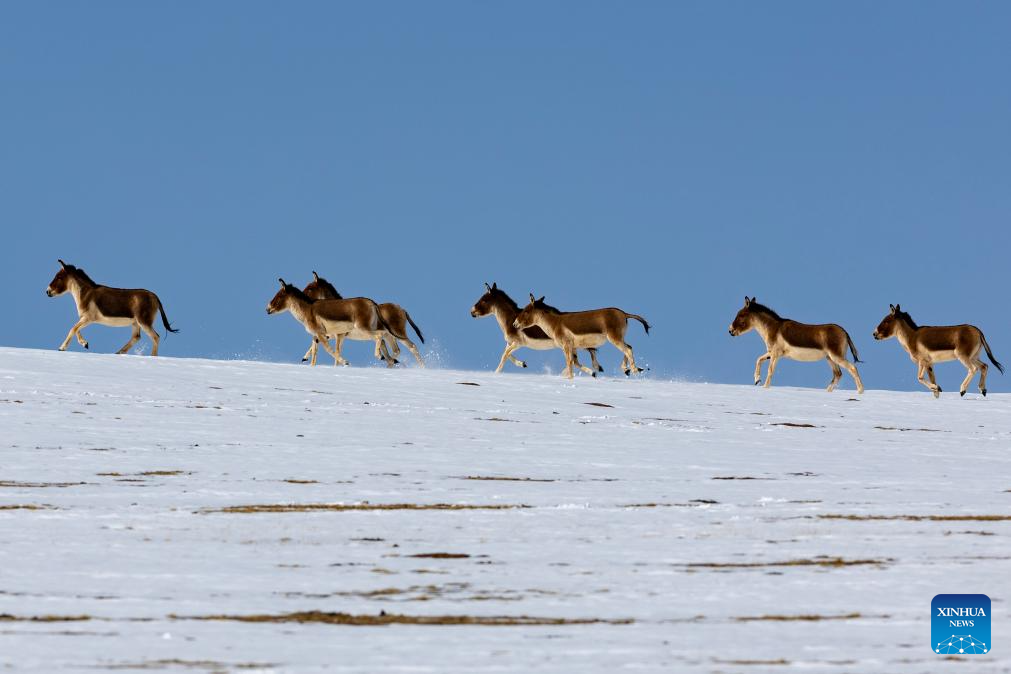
(744, 320)
(531, 313)
(321, 289)
(889, 324)
(285, 297)
(65, 277)
(486, 304)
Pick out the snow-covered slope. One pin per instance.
(174, 514)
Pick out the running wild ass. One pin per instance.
(931, 344)
(396, 318)
(357, 318)
(798, 341)
(117, 307)
(573, 330)
(496, 302)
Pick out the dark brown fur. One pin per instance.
(135, 308)
(395, 316)
(573, 330)
(799, 341)
(930, 344)
(496, 302)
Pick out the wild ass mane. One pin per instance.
(761, 308)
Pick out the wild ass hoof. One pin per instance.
(961, 394)
(85, 345)
(983, 391)
(523, 363)
(593, 374)
(600, 368)
(628, 373)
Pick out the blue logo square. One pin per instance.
(960, 624)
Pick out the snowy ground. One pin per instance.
(692, 526)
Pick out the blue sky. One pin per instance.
(667, 158)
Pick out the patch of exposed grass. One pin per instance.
(164, 472)
(38, 485)
(441, 555)
(351, 507)
(506, 479)
(26, 506)
(923, 430)
(210, 665)
(780, 661)
(9, 618)
(828, 562)
(294, 481)
(919, 518)
(800, 618)
(793, 424)
(383, 618)
(600, 405)
(736, 477)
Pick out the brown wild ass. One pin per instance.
(573, 330)
(931, 344)
(358, 317)
(496, 302)
(394, 315)
(798, 341)
(117, 307)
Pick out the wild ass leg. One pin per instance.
(983, 368)
(925, 368)
(310, 352)
(133, 338)
(569, 358)
(382, 353)
(971, 367)
(852, 369)
(836, 375)
(593, 359)
(575, 361)
(629, 363)
(507, 354)
(81, 322)
(155, 339)
(758, 366)
(338, 352)
(412, 347)
(392, 346)
(772, 368)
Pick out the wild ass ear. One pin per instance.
(283, 284)
(895, 309)
(487, 287)
(542, 298)
(494, 285)
(62, 263)
(315, 277)
(747, 301)
(532, 300)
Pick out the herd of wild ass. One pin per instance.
(326, 315)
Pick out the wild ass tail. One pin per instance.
(638, 318)
(853, 349)
(989, 353)
(164, 318)
(415, 326)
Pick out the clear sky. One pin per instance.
(664, 157)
